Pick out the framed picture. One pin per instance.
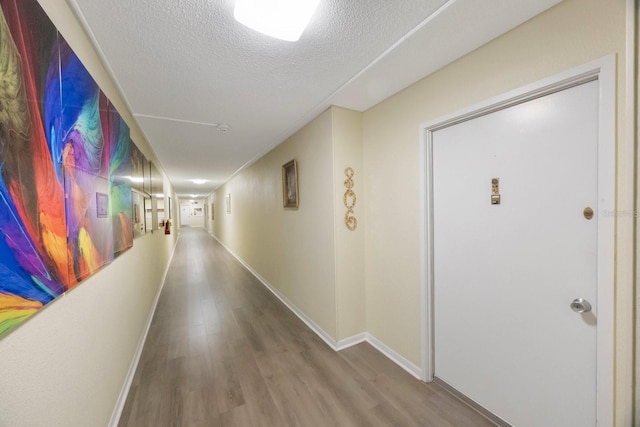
(213, 212)
(148, 214)
(136, 213)
(102, 205)
(227, 200)
(169, 217)
(290, 184)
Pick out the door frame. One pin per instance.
(604, 71)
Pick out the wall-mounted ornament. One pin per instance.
(349, 200)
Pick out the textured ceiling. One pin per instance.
(185, 66)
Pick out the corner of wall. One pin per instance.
(348, 222)
(292, 249)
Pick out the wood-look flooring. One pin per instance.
(223, 351)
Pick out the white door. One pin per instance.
(185, 214)
(505, 274)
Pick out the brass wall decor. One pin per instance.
(495, 191)
(349, 200)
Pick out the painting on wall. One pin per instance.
(138, 162)
(227, 202)
(148, 214)
(157, 193)
(34, 258)
(146, 167)
(160, 209)
(120, 171)
(102, 205)
(140, 181)
(138, 214)
(290, 184)
(66, 167)
(157, 185)
(85, 160)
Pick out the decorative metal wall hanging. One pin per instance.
(349, 200)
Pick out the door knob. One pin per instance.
(580, 305)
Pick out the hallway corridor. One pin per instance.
(223, 351)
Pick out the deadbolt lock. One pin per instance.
(588, 213)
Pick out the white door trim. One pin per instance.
(604, 71)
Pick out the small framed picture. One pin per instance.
(227, 200)
(290, 184)
(102, 205)
(136, 213)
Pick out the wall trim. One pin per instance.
(126, 386)
(344, 343)
(328, 339)
(396, 357)
(631, 87)
(351, 341)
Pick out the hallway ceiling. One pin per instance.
(184, 67)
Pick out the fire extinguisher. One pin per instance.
(167, 227)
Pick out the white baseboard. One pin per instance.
(124, 392)
(399, 360)
(393, 355)
(350, 341)
(306, 319)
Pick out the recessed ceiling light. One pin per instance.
(194, 195)
(199, 181)
(136, 179)
(160, 196)
(282, 19)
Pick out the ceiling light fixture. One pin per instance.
(282, 19)
(199, 181)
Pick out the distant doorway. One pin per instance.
(185, 214)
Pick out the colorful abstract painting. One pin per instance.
(65, 167)
(85, 163)
(120, 172)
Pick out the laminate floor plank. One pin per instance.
(223, 351)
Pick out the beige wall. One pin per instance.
(292, 249)
(568, 35)
(307, 254)
(349, 245)
(66, 365)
